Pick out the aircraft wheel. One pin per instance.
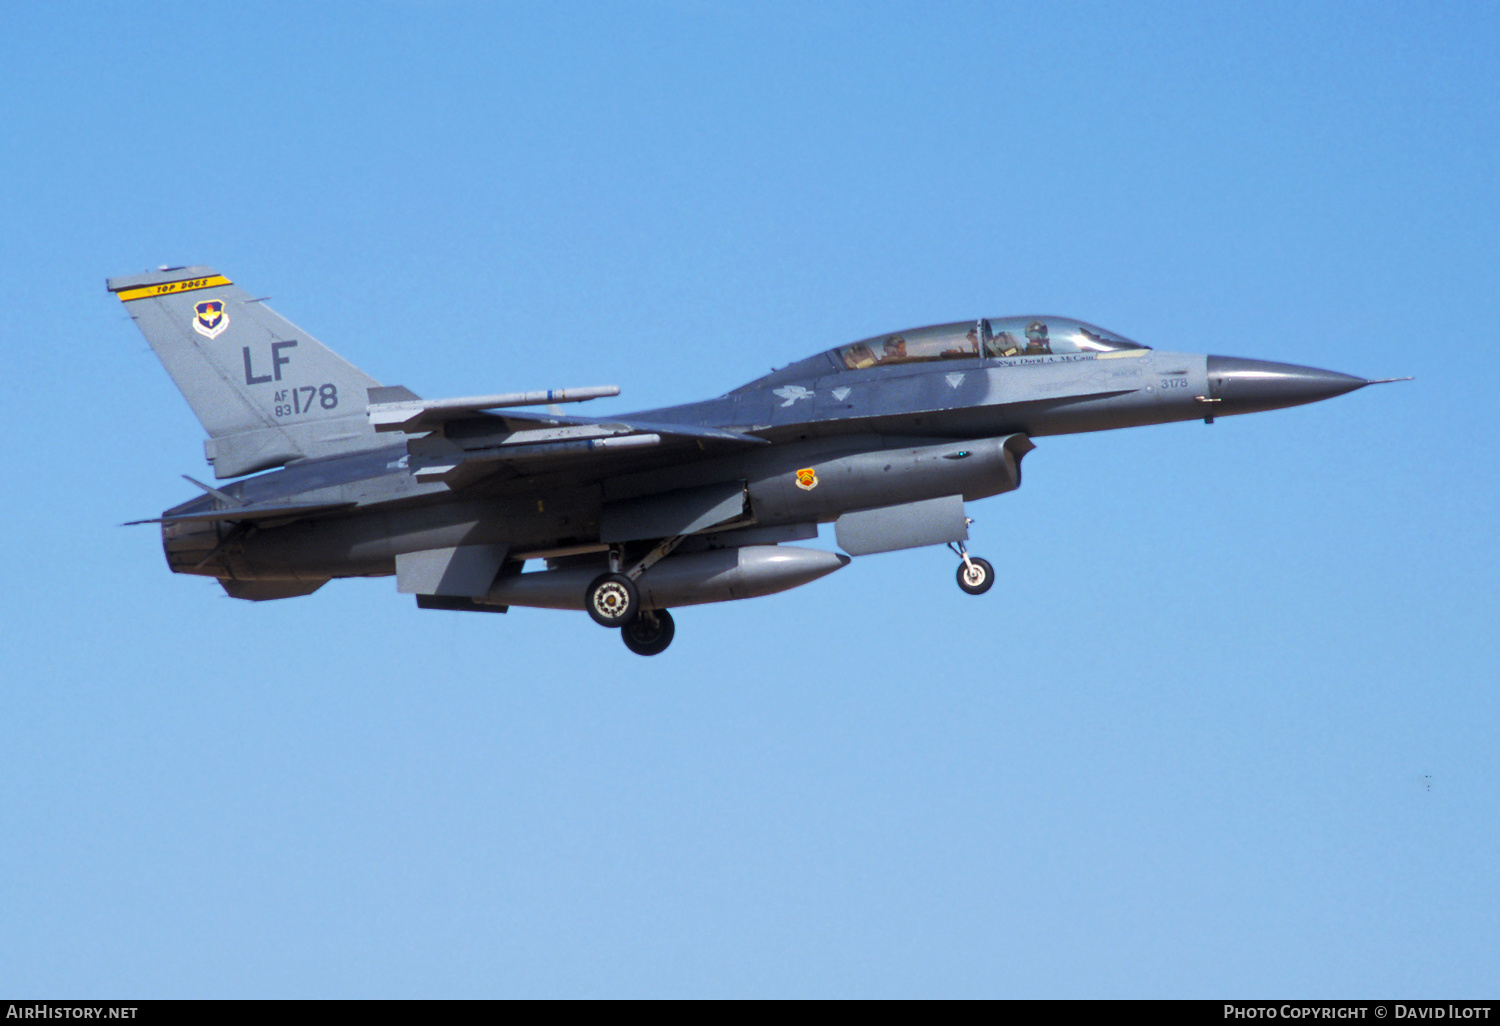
(612, 600)
(976, 576)
(649, 633)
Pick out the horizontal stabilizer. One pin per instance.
(265, 591)
(461, 605)
(279, 511)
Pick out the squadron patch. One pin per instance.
(807, 479)
(211, 320)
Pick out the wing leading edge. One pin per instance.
(457, 443)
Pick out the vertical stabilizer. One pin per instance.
(265, 391)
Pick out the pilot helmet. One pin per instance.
(1036, 330)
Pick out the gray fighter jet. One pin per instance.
(630, 516)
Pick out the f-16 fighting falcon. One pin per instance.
(634, 515)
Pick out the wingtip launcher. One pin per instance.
(418, 415)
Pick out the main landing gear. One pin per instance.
(975, 575)
(649, 633)
(613, 600)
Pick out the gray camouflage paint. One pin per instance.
(345, 500)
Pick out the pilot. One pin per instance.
(1037, 342)
(895, 349)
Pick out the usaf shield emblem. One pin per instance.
(211, 320)
(807, 479)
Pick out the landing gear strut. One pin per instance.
(613, 599)
(649, 633)
(975, 575)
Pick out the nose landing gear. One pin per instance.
(975, 575)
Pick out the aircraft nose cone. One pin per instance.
(1248, 386)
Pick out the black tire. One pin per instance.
(612, 600)
(976, 576)
(649, 633)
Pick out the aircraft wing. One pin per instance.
(680, 432)
(459, 444)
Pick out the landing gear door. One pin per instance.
(907, 526)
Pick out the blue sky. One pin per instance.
(1223, 727)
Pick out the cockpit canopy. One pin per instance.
(997, 337)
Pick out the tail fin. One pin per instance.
(265, 391)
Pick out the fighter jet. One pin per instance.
(630, 516)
